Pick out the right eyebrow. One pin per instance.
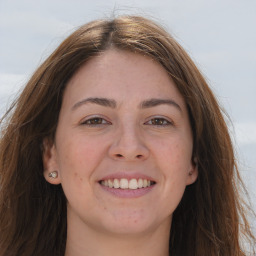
(156, 102)
(99, 101)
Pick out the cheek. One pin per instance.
(174, 162)
(174, 153)
(78, 157)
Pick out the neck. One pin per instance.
(92, 242)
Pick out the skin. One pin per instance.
(154, 141)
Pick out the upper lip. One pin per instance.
(127, 175)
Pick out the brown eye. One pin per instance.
(95, 121)
(159, 122)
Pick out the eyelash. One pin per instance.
(88, 122)
(164, 122)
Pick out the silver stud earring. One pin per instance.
(53, 174)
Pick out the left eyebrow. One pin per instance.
(99, 101)
(156, 102)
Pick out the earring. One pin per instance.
(53, 174)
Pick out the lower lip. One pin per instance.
(128, 193)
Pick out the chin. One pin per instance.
(129, 224)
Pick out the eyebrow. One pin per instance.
(112, 103)
(99, 101)
(156, 102)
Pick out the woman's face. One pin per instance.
(122, 123)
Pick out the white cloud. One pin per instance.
(10, 85)
(245, 132)
(34, 23)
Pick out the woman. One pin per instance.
(117, 146)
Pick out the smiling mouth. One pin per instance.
(127, 184)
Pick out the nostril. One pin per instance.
(119, 155)
(139, 156)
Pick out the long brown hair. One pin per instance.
(210, 218)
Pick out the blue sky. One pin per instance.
(219, 35)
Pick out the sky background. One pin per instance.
(219, 35)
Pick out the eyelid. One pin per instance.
(168, 120)
(88, 118)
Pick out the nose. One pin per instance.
(128, 145)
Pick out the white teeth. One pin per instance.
(126, 184)
(133, 184)
(110, 184)
(116, 183)
(140, 183)
(145, 183)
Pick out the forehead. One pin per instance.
(121, 75)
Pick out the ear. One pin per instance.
(193, 172)
(50, 162)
